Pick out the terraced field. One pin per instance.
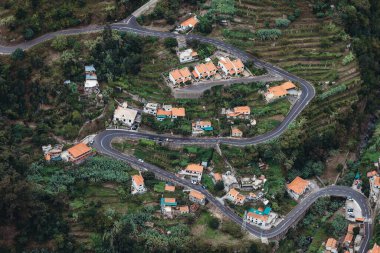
(311, 47)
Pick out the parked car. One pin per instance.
(141, 160)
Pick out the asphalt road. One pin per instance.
(103, 145)
(103, 139)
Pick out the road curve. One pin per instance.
(103, 140)
(103, 144)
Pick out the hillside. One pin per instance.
(21, 19)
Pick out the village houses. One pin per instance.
(374, 181)
(125, 115)
(188, 24)
(52, 153)
(331, 246)
(79, 152)
(167, 206)
(169, 188)
(193, 172)
(197, 197)
(236, 132)
(231, 68)
(297, 187)
(200, 126)
(138, 185)
(187, 55)
(275, 92)
(204, 70)
(234, 196)
(252, 183)
(261, 217)
(242, 112)
(375, 249)
(169, 112)
(91, 84)
(217, 177)
(229, 181)
(151, 108)
(180, 76)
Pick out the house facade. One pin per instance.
(234, 196)
(276, 92)
(194, 172)
(231, 68)
(242, 112)
(236, 132)
(124, 115)
(138, 185)
(297, 187)
(197, 197)
(199, 127)
(331, 245)
(180, 76)
(188, 24)
(79, 153)
(188, 55)
(91, 80)
(204, 70)
(151, 108)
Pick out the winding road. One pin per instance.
(103, 140)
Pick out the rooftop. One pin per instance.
(138, 179)
(298, 185)
(79, 150)
(195, 167)
(190, 22)
(197, 195)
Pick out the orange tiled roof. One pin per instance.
(375, 249)
(288, 85)
(169, 188)
(236, 130)
(277, 91)
(190, 22)
(252, 195)
(139, 180)
(185, 72)
(238, 63)
(195, 74)
(242, 109)
(227, 63)
(210, 66)
(163, 112)
(372, 173)
(195, 167)
(179, 112)
(204, 123)
(298, 185)
(332, 243)
(79, 149)
(233, 192)
(376, 181)
(350, 228)
(257, 216)
(47, 157)
(176, 74)
(197, 195)
(217, 177)
(240, 198)
(348, 237)
(169, 200)
(184, 209)
(194, 53)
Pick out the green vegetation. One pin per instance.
(35, 17)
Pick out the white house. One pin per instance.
(91, 84)
(138, 185)
(199, 127)
(124, 115)
(194, 171)
(180, 76)
(261, 217)
(188, 24)
(231, 68)
(204, 70)
(187, 55)
(197, 197)
(234, 196)
(374, 181)
(275, 92)
(331, 245)
(151, 108)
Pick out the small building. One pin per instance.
(163, 114)
(331, 245)
(238, 112)
(199, 127)
(217, 177)
(261, 217)
(178, 112)
(169, 188)
(197, 197)
(297, 187)
(151, 108)
(125, 115)
(188, 55)
(79, 153)
(52, 153)
(188, 24)
(375, 249)
(138, 185)
(194, 171)
(275, 92)
(234, 196)
(204, 70)
(252, 183)
(167, 206)
(229, 181)
(91, 83)
(180, 76)
(348, 240)
(236, 132)
(231, 68)
(183, 209)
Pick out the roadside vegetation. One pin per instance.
(28, 19)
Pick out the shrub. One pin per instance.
(213, 223)
(170, 42)
(348, 59)
(333, 91)
(18, 55)
(282, 22)
(268, 34)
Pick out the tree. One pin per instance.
(213, 223)
(170, 42)
(18, 55)
(219, 186)
(339, 225)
